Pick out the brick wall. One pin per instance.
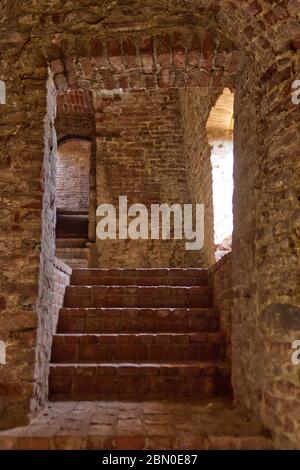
(277, 249)
(196, 104)
(44, 302)
(266, 247)
(73, 171)
(221, 278)
(58, 278)
(140, 154)
(20, 235)
(62, 275)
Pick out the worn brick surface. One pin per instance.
(140, 155)
(221, 276)
(139, 425)
(143, 364)
(125, 320)
(73, 171)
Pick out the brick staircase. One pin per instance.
(138, 334)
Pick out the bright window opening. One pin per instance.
(220, 134)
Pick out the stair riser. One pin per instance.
(71, 255)
(128, 276)
(104, 281)
(136, 387)
(124, 322)
(138, 297)
(90, 353)
(76, 263)
(70, 243)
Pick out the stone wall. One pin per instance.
(140, 155)
(221, 276)
(73, 171)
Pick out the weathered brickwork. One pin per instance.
(75, 115)
(140, 155)
(196, 104)
(21, 216)
(62, 274)
(74, 102)
(133, 425)
(221, 276)
(102, 46)
(176, 59)
(266, 246)
(44, 304)
(278, 250)
(59, 277)
(76, 119)
(73, 171)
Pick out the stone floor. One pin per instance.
(140, 425)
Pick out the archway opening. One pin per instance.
(220, 136)
(72, 200)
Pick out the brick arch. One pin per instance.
(169, 59)
(75, 102)
(70, 137)
(199, 44)
(75, 113)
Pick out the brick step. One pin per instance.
(73, 253)
(138, 381)
(71, 242)
(137, 347)
(134, 320)
(138, 296)
(141, 277)
(72, 224)
(76, 263)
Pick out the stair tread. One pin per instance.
(202, 310)
(136, 286)
(141, 270)
(71, 239)
(73, 260)
(70, 249)
(200, 364)
(160, 334)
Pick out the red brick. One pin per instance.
(179, 51)
(162, 46)
(115, 54)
